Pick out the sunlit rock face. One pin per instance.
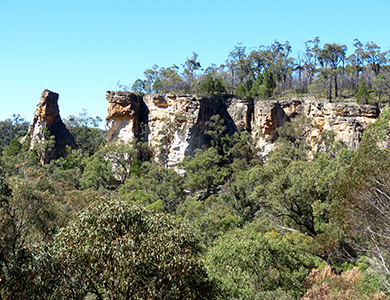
(126, 112)
(348, 120)
(46, 123)
(171, 124)
(178, 122)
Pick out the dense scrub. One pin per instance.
(110, 221)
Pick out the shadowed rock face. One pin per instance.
(126, 114)
(47, 122)
(186, 115)
(208, 107)
(182, 116)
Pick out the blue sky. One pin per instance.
(80, 49)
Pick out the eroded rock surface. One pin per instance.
(47, 122)
(348, 120)
(178, 121)
(126, 112)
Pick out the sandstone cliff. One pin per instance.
(347, 120)
(185, 117)
(181, 116)
(47, 122)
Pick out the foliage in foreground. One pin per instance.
(250, 264)
(118, 250)
(363, 197)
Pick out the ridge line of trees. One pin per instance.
(322, 71)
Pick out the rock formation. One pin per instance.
(126, 113)
(347, 120)
(46, 123)
(185, 117)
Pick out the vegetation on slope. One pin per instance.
(111, 221)
(270, 71)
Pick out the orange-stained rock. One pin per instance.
(47, 109)
(347, 119)
(47, 122)
(183, 119)
(176, 121)
(126, 113)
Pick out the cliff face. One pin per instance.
(178, 121)
(126, 113)
(348, 120)
(47, 122)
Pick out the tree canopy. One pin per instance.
(270, 71)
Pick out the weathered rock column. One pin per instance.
(46, 123)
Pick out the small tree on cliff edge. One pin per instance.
(363, 96)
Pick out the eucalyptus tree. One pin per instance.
(282, 63)
(85, 129)
(258, 60)
(138, 85)
(382, 85)
(191, 65)
(355, 65)
(363, 195)
(330, 57)
(12, 128)
(358, 57)
(118, 250)
(311, 57)
(151, 76)
(299, 67)
(270, 66)
(33, 208)
(170, 79)
(238, 66)
(374, 57)
(253, 265)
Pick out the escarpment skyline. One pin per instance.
(179, 121)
